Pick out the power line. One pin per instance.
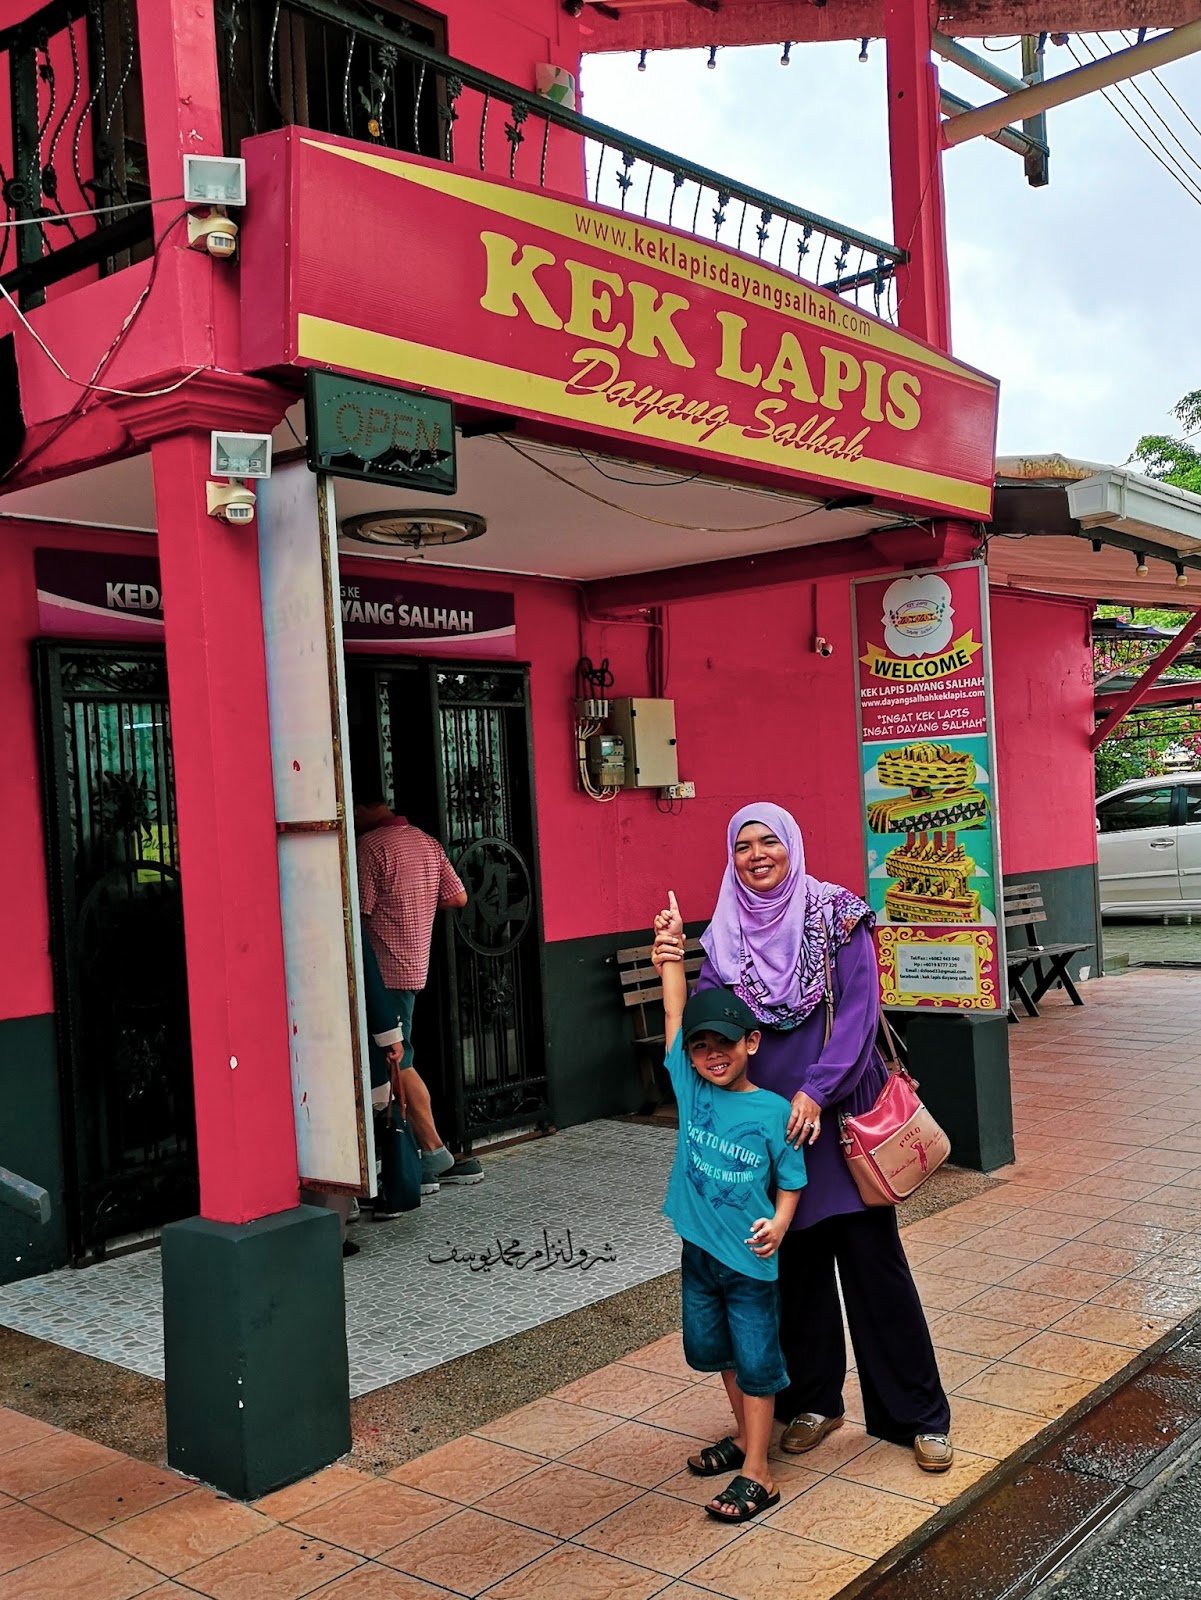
(1170, 95)
(643, 516)
(80, 406)
(1157, 114)
(1121, 92)
(47, 219)
(1166, 160)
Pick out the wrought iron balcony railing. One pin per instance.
(76, 196)
(370, 72)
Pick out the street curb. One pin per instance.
(995, 1543)
(1183, 1454)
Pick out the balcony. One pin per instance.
(76, 187)
(74, 174)
(380, 76)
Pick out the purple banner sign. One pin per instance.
(90, 594)
(406, 618)
(93, 595)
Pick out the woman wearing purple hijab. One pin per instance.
(775, 936)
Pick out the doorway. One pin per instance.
(117, 942)
(450, 746)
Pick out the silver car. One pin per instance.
(1149, 846)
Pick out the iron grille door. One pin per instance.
(487, 803)
(117, 941)
(456, 753)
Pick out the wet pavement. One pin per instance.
(1016, 1539)
(1155, 1557)
(1137, 942)
(1053, 1289)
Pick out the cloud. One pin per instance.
(1080, 297)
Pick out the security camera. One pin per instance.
(823, 646)
(210, 229)
(232, 502)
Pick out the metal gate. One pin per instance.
(457, 759)
(117, 940)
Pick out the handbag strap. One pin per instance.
(892, 1055)
(829, 995)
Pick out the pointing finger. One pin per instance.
(672, 902)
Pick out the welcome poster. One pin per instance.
(929, 787)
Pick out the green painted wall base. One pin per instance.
(1071, 901)
(594, 1069)
(254, 1325)
(31, 1145)
(962, 1065)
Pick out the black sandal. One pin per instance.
(724, 1456)
(746, 1497)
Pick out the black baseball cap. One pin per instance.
(718, 1011)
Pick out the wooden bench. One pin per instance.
(642, 994)
(1046, 964)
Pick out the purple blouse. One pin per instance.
(845, 1075)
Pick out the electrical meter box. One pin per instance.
(648, 731)
(606, 760)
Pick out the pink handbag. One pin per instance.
(893, 1148)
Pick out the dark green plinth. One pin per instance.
(254, 1325)
(962, 1065)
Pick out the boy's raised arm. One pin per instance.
(667, 954)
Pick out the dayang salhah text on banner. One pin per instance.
(534, 304)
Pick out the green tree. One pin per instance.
(1175, 460)
(1117, 762)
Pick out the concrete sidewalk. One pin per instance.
(1038, 1292)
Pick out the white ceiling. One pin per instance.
(605, 517)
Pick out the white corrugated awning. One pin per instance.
(1078, 528)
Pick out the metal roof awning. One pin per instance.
(1077, 528)
(680, 24)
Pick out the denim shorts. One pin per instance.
(731, 1321)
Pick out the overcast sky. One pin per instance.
(1082, 297)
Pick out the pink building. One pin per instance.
(144, 1052)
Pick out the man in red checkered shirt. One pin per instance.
(404, 881)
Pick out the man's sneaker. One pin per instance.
(467, 1171)
(430, 1185)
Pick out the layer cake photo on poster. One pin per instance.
(928, 875)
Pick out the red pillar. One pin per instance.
(178, 44)
(915, 148)
(226, 807)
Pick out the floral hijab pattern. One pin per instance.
(771, 948)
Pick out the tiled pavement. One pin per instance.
(1037, 1294)
(595, 1185)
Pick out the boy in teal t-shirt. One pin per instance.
(733, 1192)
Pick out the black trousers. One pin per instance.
(898, 1373)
